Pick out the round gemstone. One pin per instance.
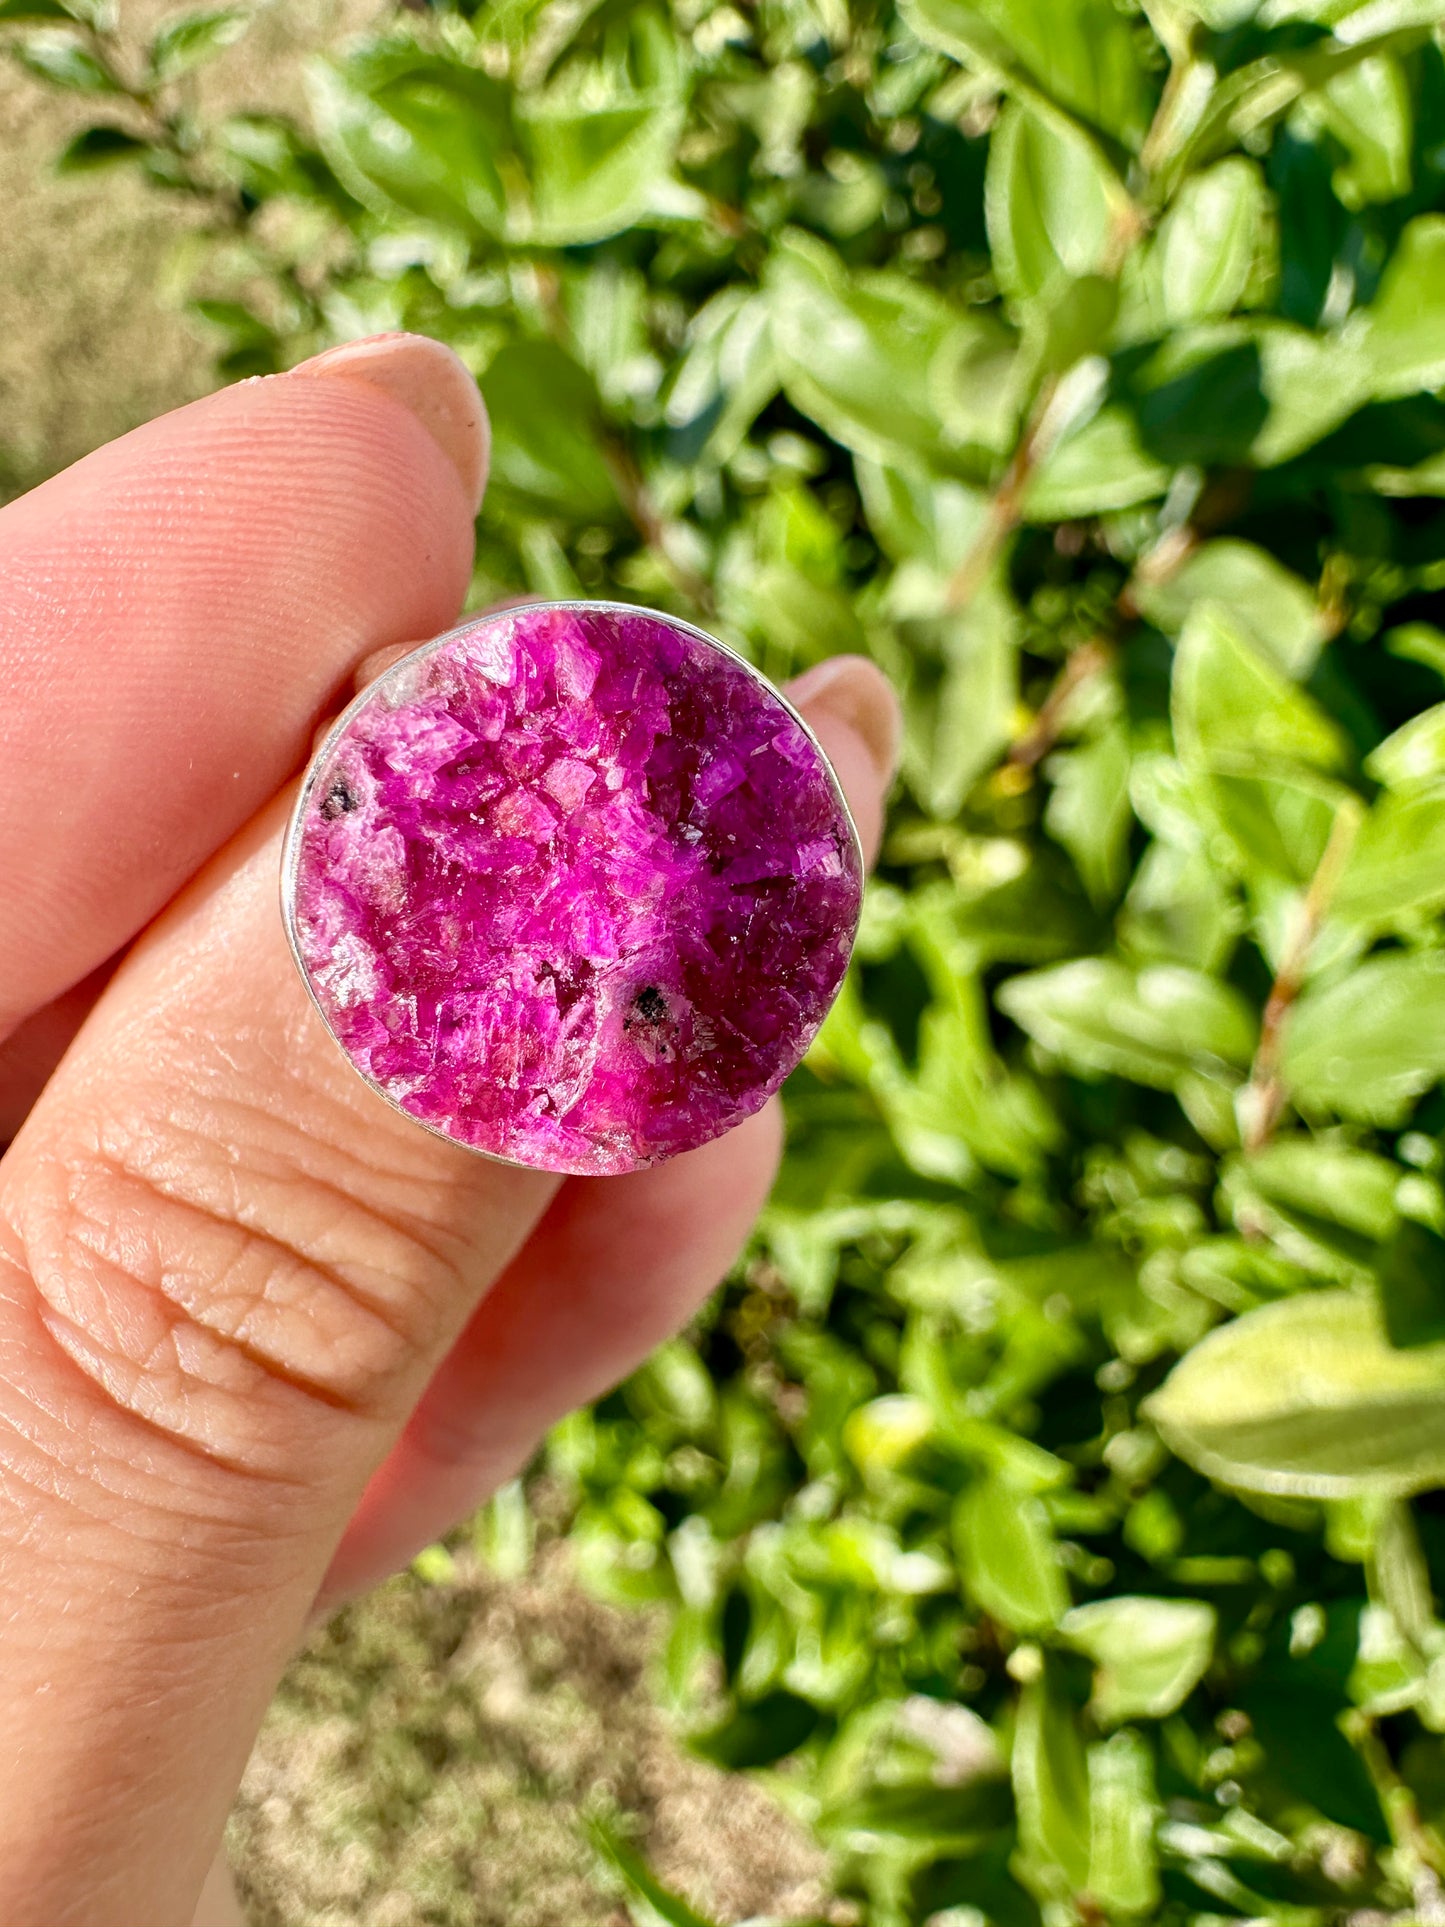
(573, 886)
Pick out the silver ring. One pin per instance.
(406, 946)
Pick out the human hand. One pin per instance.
(261, 1338)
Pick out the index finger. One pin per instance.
(178, 609)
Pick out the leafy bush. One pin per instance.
(1050, 1506)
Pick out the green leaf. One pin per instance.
(1308, 1397)
(1262, 599)
(1359, 22)
(976, 698)
(1084, 58)
(1207, 241)
(1253, 390)
(1149, 1654)
(1327, 1183)
(1272, 832)
(1412, 1284)
(868, 356)
(1418, 642)
(649, 1902)
(919, 517)
(1089, 813)
(65, 61)
(545, 442)
(189, 41)
(757, 1734)
(1100, 466)
(1396, 871)
(574, 161)
(1414, 755)
(1369, 111)
(1123, 1813)
(1007, 1555)
(726, 377)
(1151, 1025)
(1239, 1274)
(1234, 710)
(32, 10)
(1370, 1044)
(1400, 341)
(1051, 1785)
(963, 1092)
(1323, 1205)
(937, 1815)
(1303, 1747)
(424, 133)
(1178, 911)
(1049, 200)
(598, 140)
(1247, 102)
(95, 147)
(885, 1433)
(1077, 321)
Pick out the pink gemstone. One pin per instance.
(573, 886)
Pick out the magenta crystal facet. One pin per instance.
(573, 886)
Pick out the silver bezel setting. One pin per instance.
(320, 755)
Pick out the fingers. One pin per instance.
(33, 1049)
(616, 1265)
(852, 710)
(178, 608)
(226, 1273)
(226, 1276)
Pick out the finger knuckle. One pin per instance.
(220, 1298)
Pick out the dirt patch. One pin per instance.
(93, 333)
(432, 1754)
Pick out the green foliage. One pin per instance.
(1050, 1506)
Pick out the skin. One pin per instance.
(260, 1338)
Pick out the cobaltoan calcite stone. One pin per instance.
(573, 886)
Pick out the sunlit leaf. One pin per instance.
(1123, 1813)
(1399, 335)
(1049, 200)
(1149, 1654)
(1207, 241)
(1370, 1044)
(1308, 1397)
(1051, 1785)
(1008, 1557)
(1150, 1025)
(191, 39)
(1084, 59)
(1234, 709)
(1271, 605)
(64, 60)
(865, 358)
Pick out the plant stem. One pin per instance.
(1084, 663)
(1263, 1098)
(1005, 506)
(655, 531)
(1168, 555)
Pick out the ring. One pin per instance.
(572, 885)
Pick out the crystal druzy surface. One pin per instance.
(574, 887)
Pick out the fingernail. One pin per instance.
(433, 382)
(856, 692)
